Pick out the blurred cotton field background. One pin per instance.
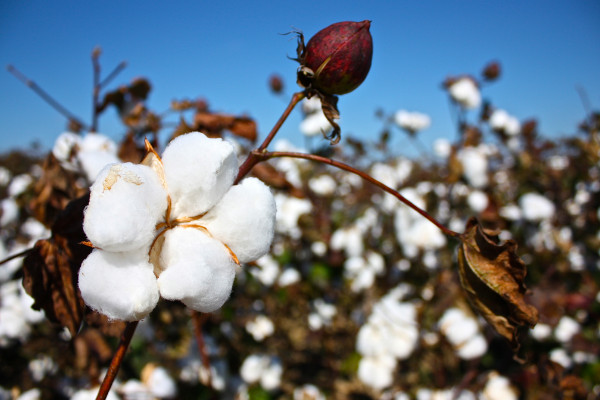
(359, 297)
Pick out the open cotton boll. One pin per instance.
(197, 269)
(119, 285)
(244, 219)
(198, 171)
(126, 202)
(92, 162)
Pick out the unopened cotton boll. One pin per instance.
(197, 269)
(126, 202)
(198, 171)
(119, 285)
(244, 219)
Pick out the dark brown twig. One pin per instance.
(45, 96)
(266, 155)
(252, 160)
(199, 320)
(117, 359)
(96, 90)
(21, 254)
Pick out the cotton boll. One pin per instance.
(119, 285)
(126, 202)
(567, 328)
(377, 372)
(289, 276)
(260, 328)
(271, 377)
(252, 368)
(473, 348)
(465, 92)
(198, 171)
(498, 387)
(63, 149)
(478, 201)
(19, 184)
(536, 207)
(197, 269)
(244, 219)
(9, 212)
(161, 384)
(31, 394)
(442, 148)
(92, 162)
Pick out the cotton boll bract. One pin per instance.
(126, 202)
(119, 285)
(198, 171)
(196, 269)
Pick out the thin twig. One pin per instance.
(45, 96)
(199, 320)
(96, 89)
(117, 359)
(113, 74)
(21, 254)
(252, 160)
(266, 155)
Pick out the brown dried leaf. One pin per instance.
(244, 127)
(129, 151)
(50, 270)
(329, 107)
(492, 276)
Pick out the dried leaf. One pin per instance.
(50, 270)
(492, 276)
(329, 107)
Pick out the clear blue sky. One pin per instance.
(225, 51)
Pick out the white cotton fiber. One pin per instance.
(119, 285)
(127, 201)
(92, 162)
(244, 219)
(198, 171)
(197, 269)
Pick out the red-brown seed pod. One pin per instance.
(337, 59)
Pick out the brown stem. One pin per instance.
(199, 320)
(252, 159)
(96, 89)
(45, 96)
(21, 254)
(117, 359)
(266, 155)
(113, 73)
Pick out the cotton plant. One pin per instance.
(174, 227)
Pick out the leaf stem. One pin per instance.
(252, 158)
(117, 359)
(21, 254)
(261, 156)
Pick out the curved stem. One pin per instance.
(266, 155)
(117, 359)
(252, 159)
(21, 254)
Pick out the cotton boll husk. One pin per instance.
(126, 202)
(197, 269)
(198, 171)
(244, 219)
(119, 285)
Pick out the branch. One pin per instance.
(21, 254)
(252, 159)
(199, 320)
(117, 359)
(261, 156)
(45, 96)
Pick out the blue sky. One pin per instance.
(224, 51)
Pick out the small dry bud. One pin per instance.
(491, 71)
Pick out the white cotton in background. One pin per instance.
(253, 367)
(558, 162)
(511, 212)
(475, 165)
(541, 331)
(567, 328)
(465, 92)
(14, 325)
(442, 148)
(323, 314)
(198, 171)
(385, 174)
(41, 367)
(315, 124)
(126, 202)
(119, 285)
(34, 229)
(323, 185)
(498, 387)
(160, 383)
(64, 148)
(31, 394)
(560, 356)
(9, 212)
(260, 328)
(5, 176)
(462, 331)
(502, 121)
(311, 105)
(318, 248)
(349, 239)
(32, 316)
(308, 392)
(289, 209)
(288, 276)
(19, 184)
(271, 377)
(536, 207)
(478, 201)
(197, 269)
(92, 162)
(91, 394)
(412, 121)
(134, 390)
(266, 271)
(244, 219)
(377, 372)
